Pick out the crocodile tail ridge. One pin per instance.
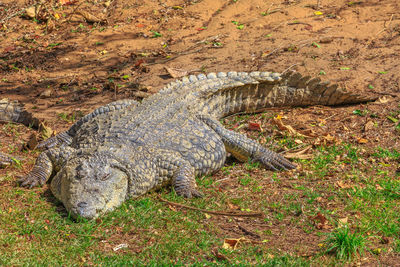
(258, 91)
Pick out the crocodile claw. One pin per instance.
(192, 193)
(32, 179)
(275, 162)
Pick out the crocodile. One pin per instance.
(5, 160)
(14, 111)
(125, 149)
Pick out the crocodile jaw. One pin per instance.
(91, 192)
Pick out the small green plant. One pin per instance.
(53, 45)
(250, 165)
(359, 112)
(245, 180)
(156, 34)
(314, 44)
(344, 244)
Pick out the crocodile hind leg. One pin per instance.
(243, 148)
(47, 162)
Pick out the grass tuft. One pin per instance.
(344, 244)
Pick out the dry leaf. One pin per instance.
(343, 221)
(329, 138)
(383, 99)
(67, 2)
(31, 12)
(218, 255)
(231, 243)
(45, 131)
(253, 126)
(32, 142)
(176, 73)
(89, 17)
(378, 187)
(362, 140)
(171, 207)
(233, 206)
(385, 240)
(342, 184)
(282, 127)
(300, 154)
(369, 126)
(320, 221)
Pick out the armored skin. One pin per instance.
(127, 148)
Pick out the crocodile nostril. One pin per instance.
(82, 204)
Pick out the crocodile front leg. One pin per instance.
(40, 173)
(65, 138)
(46, 163)
(243, 148)
(59, 139)
(184, 181)
(172, 168)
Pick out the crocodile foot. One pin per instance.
(274, 161)
(5, 160)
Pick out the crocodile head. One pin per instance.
(90, 186)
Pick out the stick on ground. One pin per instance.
(233, 214)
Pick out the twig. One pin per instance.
(254, 214)
(273, 51)
(387, 93)
(293, 148)
(173, 57)
(247, 232)
(381, 31)
(12, 15)
(220, 180)
(283, 72)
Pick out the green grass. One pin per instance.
(344, 244)
(36, 230)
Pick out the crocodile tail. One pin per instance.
(258, 91)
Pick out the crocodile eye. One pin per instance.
(104, 177)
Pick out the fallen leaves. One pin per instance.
(320, 221)
(342, 222)
(253, 126)
(343, 185)
(369, 125)
(90, 17)
(45, 131)
(232, 243)
(302, 153)
(282, 127)
(362, 140)
(176, 73)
